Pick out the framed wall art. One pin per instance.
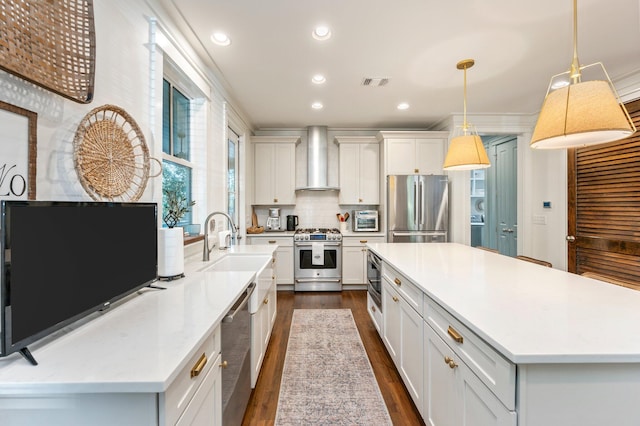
(18, 151)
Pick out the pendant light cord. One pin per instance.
(575, 74)
(465, 126)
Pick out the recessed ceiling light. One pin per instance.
(316, 105)
(318, 79)
(220, 39)
(403, 105)
(321, 32)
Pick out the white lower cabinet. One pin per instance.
(453, 394)
(403, 338)
(374, 313)
(262, 321)
(354, 258)
(205, 408)
(284, 256)
(195, 397)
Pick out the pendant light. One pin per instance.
(466, 151)
(580, 112)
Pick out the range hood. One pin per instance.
(317, 160)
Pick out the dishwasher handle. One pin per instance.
(240, 304)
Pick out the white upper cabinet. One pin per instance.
(275, 169)
(407, 153)
(359, 170)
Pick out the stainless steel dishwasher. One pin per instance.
(236, 356)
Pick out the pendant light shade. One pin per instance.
(583, 112)
(466, 151)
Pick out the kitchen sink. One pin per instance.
(239, 262)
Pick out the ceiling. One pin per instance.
(517, 47)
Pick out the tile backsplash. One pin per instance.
(313, 208)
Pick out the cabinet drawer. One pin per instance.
(280, 241)
(409, 291)
(179, 394)
(374, 313)
(496, 372)
(360, 241)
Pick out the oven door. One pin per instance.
(330, 267)
(374, 279)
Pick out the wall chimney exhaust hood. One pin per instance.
(317, 160)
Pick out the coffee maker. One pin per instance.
(273, 221)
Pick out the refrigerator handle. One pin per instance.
(421, 203)
(415, 203)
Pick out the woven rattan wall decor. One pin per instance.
(111, 156)
(50, 43)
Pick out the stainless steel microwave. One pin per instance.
(365, 221)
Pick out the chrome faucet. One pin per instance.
(234, 233)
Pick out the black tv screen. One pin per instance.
(64, 260)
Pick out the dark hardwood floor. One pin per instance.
(264, 398)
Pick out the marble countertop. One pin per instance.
(529, 313)
(139, 344)
(362, 234)
(271, 234)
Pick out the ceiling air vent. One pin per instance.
(375, 81)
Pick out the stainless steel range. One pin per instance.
(317, 259)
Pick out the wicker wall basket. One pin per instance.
(111, 156)
(50, 43)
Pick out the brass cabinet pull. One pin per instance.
(455, 335)
(363, 241)
(275, 200)
(450, 362)
(197, 369)
(272, 241)
(359, 200)
(397, 281)
(265, 301)
(395, 299)
(416, 170)
(224, 364)
(373, 308)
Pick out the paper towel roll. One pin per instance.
(170, 252)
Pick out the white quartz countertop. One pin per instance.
(271, 234)
(362, 234)
(138, 345)
(529, 313)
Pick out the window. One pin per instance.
(232, 175)
(176, 146)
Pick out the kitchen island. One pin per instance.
(512, 342)
(138, 363)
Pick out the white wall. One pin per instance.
(121, 78)
(128, 74)
(542, 176)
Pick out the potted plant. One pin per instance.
(171, 239)
(176, 205)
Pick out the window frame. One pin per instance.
(170, 157)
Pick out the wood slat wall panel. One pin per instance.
(607, 207)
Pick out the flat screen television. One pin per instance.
(63, 260)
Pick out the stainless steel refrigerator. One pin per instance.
(417, 208)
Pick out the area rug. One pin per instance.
(327, 378)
